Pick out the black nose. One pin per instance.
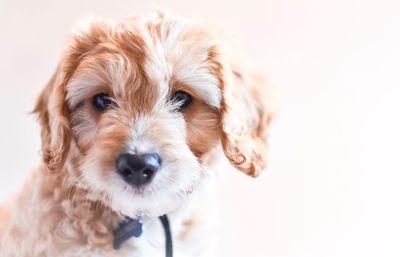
(138, 169)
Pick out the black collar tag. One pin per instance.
(129, 228)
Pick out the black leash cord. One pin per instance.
(168, 239)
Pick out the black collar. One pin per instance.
(127, 229)
(134, 227)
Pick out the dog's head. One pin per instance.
(134, 107)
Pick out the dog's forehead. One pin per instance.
(150, 56)
(178, 52)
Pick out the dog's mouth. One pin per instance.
(140, 191)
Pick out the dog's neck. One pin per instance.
(48, 209)
(92, 221)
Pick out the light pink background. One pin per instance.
(332, 188)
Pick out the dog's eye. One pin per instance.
(102, 102)
(183, 98)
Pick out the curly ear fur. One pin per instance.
(244, 122)
(244, 116)
(54, 121)
(51, 107)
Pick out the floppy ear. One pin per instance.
(53, 116)
(51, 106)
(244, 118)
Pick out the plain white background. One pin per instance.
(332, 188)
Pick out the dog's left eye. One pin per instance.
(183, 98)
(102, 101)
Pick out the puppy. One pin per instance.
(133, 122)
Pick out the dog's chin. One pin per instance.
(146, 202)
(142, 205)
(150, 210)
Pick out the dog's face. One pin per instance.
(134, 108)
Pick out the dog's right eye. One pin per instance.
(102, 102)
(182, 97)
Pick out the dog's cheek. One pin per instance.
(84, 128)
(203, 128)
(100, 142)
